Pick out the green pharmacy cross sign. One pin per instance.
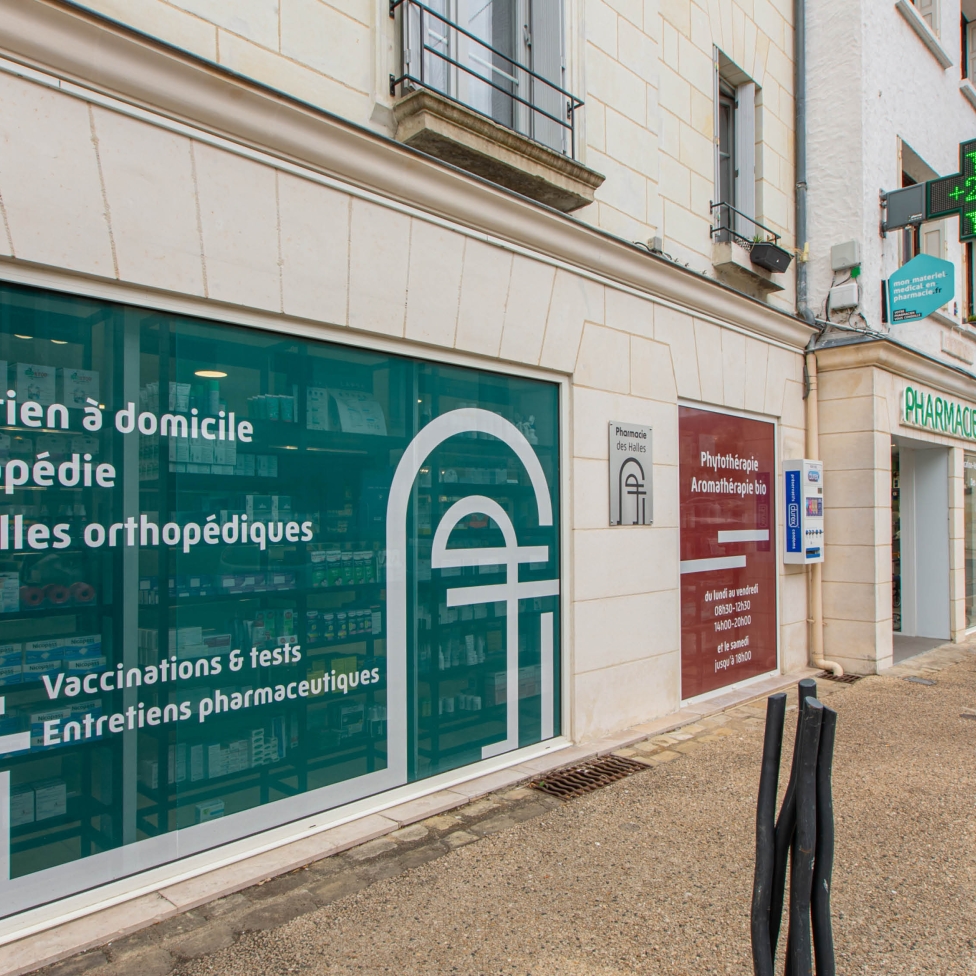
(956, 194)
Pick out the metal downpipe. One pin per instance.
(815, 572)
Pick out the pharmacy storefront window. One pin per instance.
(247, 577)
(969, 489)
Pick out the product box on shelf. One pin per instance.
(50, 799)
(81, 646)
(77, 386)
(88, 444)
(209, 810)
(91, 707)
(347, 718)
(244, 465)
(317, 408)
(21, 806)
(37, 720)
(9, 592)
(42, 658)
(11, 674)
(79, 665)
(11, 654)
(176, 764)
(148, 773)
(33, 382)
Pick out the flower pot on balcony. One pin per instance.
(770, 256)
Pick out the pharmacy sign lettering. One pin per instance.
(938, 414)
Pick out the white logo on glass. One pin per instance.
(510, 555)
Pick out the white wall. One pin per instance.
(872, 82)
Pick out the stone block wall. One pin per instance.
(103, 194)
(644, 68)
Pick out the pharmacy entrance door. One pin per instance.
(919, 545)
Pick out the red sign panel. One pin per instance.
(728, 552)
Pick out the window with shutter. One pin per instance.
(735, 150)
(502, 58)
(468, 60)
(745, 157)
(546, 36)
(933, 239)
(929, 9)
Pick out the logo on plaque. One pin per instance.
(631, 497)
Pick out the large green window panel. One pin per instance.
(246, 577)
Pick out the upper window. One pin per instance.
(502, 58)
(735, 152)
(968, 35)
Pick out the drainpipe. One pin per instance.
(800, 89)
(815, 571)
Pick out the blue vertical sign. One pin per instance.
(792, 486)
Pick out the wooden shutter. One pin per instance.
(929, 9)
(933, 239)
(971, 51)
(546, 33)
(745, 157)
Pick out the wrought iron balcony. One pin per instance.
(730, 225)
(443, 56)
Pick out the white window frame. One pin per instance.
(970, 29)
(931, 12)
(539, 45)
(745, 196)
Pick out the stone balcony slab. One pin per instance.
(441, 127)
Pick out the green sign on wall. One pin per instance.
(954, 195)
(919, 288)
(246, 577)
(938, 414)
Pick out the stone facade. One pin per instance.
(888, 96)
(147, 177)
(293, 249)
(645, 70)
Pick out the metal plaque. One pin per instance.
(631, 484)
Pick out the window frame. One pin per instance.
(736, 98)
(538, 46)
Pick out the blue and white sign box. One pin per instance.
(920, 288)
(803, 495)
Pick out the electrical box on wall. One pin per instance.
(843, 296)
(803, 493)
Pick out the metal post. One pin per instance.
(786, 824)
(799, 944)
(762, 957)
(823, 937)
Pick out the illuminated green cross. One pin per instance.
(956, 194)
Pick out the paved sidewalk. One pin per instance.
(651, 875)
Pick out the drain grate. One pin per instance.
(847, 679)
(588, 776)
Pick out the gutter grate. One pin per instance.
(587, 777)
(847, 679)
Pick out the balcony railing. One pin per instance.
(435, 48)
(730, 225)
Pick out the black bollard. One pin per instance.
(762, 956)
(800, 944)
(785, 825)
(823, 937)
